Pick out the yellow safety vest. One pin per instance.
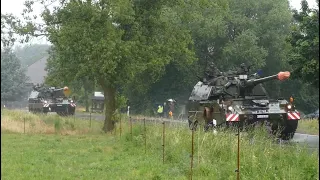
(160, 109)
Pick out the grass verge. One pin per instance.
(86, 153)
(308, 126)
(305, 126)
(21, 122)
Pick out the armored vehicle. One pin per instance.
(237, 98)
(51, 99)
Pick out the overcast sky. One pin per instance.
(16, 6)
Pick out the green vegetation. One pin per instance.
(304, 39)
(149, 51)
(20, 122)
(13, 77)
(304, 57)
(308, 126)
(95, 155)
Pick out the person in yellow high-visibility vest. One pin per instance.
(160, 110)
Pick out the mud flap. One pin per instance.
(289, 129)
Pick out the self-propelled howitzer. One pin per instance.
(239, 98)
(45, 99)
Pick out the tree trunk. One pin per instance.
(110, 107)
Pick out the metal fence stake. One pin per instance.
(192, 151)
(90, 119)
(238, 154)
(163, 140)
(24, 125)
(120, 125)
(131, 127)
(145, 135)
(115, 129)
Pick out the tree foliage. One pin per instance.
(13, 77)
(7, 39)
(304, 39)
(228, 33)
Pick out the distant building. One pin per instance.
(36, 71)
(97, 102)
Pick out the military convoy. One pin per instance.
(237, 98)
(51, 99)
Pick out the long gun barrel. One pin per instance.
(61, 91)
(280, 76)
(55, 90)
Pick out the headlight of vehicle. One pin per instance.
(289, 106)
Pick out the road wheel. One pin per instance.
(284, 130)
(61, 113)
(209, 126)
(70, 113)
(289, 129)
(193, 125)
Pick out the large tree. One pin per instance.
(113, 42)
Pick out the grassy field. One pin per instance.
(65, 148)
(309, 126)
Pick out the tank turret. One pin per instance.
(233, 85)
(247, 86)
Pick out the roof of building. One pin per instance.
(36, 72)
(98, 96)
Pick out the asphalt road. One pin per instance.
(101, 118)
(312, 141)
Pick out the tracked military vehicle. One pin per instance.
(235, 97)
(51, 99)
